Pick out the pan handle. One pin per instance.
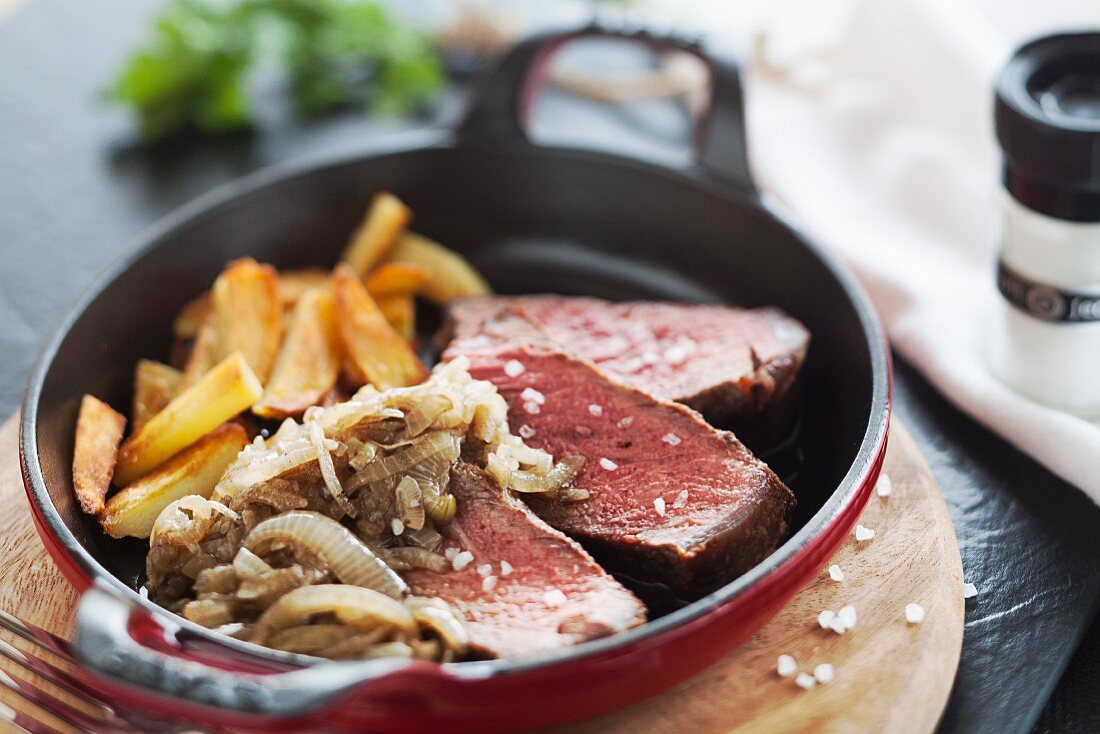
(500, 106)
(139, 658)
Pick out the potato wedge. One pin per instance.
(383, 357)
(155, 384)
(196, 470)
(449, 275)
(220, 394)
(293, 284)
(249, 314)
(400, 310)
(386, 220)
(204, 352)
(98, 433)
(309, 360)
(190, 318)
(395, 279)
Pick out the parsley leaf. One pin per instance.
(193, 73)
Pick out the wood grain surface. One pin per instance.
(890, 675)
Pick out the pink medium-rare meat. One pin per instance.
(673, 500)
(735, 366)
(551, 594)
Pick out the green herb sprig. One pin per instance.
(194, 72)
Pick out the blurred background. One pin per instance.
(114, 114)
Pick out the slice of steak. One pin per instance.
(550, 595)
(673, 500)
(738, 367)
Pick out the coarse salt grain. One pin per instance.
(824, 673)
(786, 666)
(514, 368)
(532, 395)
(883, 487)
(659, 505)
(835, 573)
(681, 499)
(462, 560)
(826, 618)
(626, 422)
(554, 598)
(969, 590)
(595, 410)
(488, 583)
(914, 613)
(847, 615)
(484, 570)
(864, 534)
(838, 626)
(532, 407)
(805, 680)
(526, 431)
(676, 355)
(505, 568)
(671, 439)
(450, 553)
(397, 526)
(608, 464)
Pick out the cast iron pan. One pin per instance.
(532, 219)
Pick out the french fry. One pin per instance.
(385, 222)
(249, 314)
(394, 279)
(293, 284)
(449, 275)
(204, 352)
(400, 310)
(309, 360)
(220, 394)
(155, 384)
(98, 432)
(383, 357)
(350, 375)
(196, 470)
(189, 319)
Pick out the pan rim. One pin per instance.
(847, 491)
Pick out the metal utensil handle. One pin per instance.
(500, 106)
(104, 642)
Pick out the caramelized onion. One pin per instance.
(563, 472)
(425, 411)
(441, 509)
(407, 457)
(409, 508)
(354, 606)
(309, 639)
(349, 559)
(419, 558)
(437, 615)
(247, 564)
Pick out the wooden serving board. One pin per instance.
(890, 675)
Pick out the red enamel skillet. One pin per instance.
(532, 219)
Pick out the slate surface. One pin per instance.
(74, 193)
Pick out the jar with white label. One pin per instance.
(1046, 338)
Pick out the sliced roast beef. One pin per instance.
(528, 588)
(735, 366)
(673, 500)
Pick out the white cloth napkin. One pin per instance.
(880, 140)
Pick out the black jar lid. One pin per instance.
(1047, 115)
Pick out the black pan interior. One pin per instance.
(532, 220)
